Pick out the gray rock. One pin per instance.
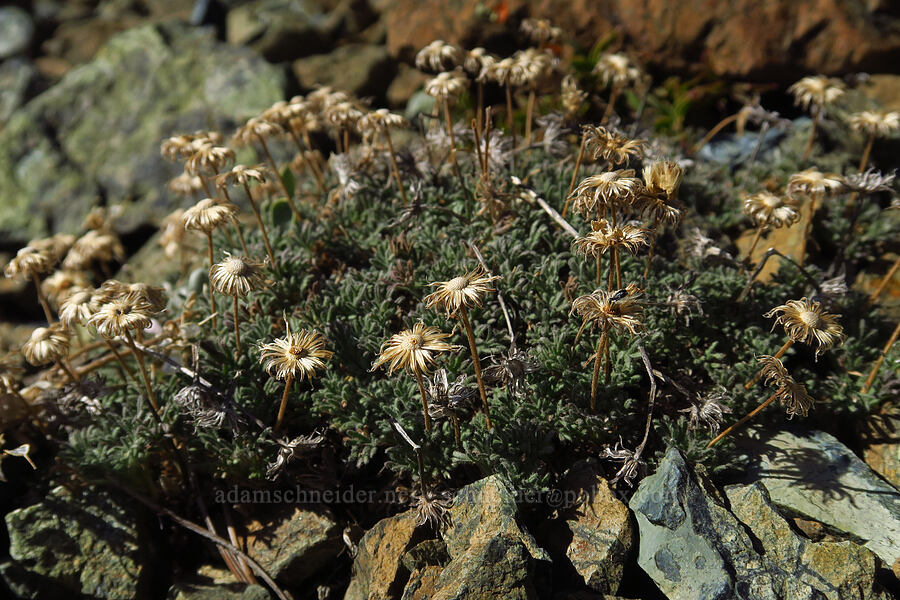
(832, 570)
(17, 76)
(237, 591)
(377, 569)
(690, 545)
(97, 132)
(361, 69)
(491, 555)
(293, 548)
(816, 477)
(16, 31)
(86, 546)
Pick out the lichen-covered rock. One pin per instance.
(17, 76)
(16, 31)
(832, 570)
(603, 535)
(87, 545)
(816, 477)
(492, 556)
(281, 30)
(96, 133)
(293, 548)
(237, 591)
(422, 584)
(881, 443)
(378, 571)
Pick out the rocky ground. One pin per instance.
(88, 90)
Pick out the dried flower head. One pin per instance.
(77, 308)
(708, 409)
(466, 290)
(185, 185)
(620, 310)
(611, 190)
(208, 157)
(58, 245)
(571, 96)
(29, 262)
(447, 86)
(540, 31)
(203, 408)
(817, 91)
(380, 120)
(296, 355)
(696, 245)
(617, 69)
(413, 349)
(46, 345)
(505, 72)
(605, 236)
(534, 64)
(805, 321)
(875, 122)
(120, 316)
(659, 199)
(632, 465)
(792, 395)
(432, 508)
(94, 246)
(812, 182)
(62, 283)
(343, 114)
(254, 130)
(509, 370)
(208, 214)
(439, 56)
(236, 275)
(476, 61)
(870, 182)
(766, 209)
(610, 145)
(288, 450)
(171, 236)
(447, 399)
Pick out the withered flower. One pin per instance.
(60, 284)
(815, 94)
(94, 246)
(608, 237)
(293, 357)
(236, 276)
(439, 56)
(806, 321)
(540, 31)
(30, 263)
(571, 96)
(77, 308)
(606, 194)
(766, 209)
(49, 344)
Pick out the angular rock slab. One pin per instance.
(690, 545)
(816, 477)
(96, 133)
(603, 535)
(292, 549)
(378, 569)
(88, 546)
(491, 555)
(836, 570)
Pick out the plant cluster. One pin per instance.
(400, 257)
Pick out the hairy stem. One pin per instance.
(464, 317)
(259, 221)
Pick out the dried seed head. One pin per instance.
(571, 96)
(208, 157)
(120, 316)
(612, 146)
(236, 275)
(790, 394)
(612, 190)
(870, 182)
(77, 308)
(447, 86)
(61, 284)
(380, 120)
(46, 345)
(94, 246)
(617, 69)
(540, 31)
(708, 409)
(659, 198)
(296, 355)
(208, 215)
(509, 370)
(477, 60)
(254, 130)
(812, 182)
(57, 245)
(186, 185)
(766, 209)
(618, 311)
(534, 64)
(805, 321)
(171, 236)
(413, 349)
(30, 261)
(817, 91)
(604, 236)
(880, 123)
(466, 290)
(439, 56)
(505, 72)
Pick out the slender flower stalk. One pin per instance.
(815, 94)
(875, 368)
(243, 175)
(815, 185)
(256, 130)
(236, 276)
(456, 296)
(616, 71)
(382, 120)
(31, 262)
(792, 395)
(414, 350)
(444, 88)
(293, 357)
(206, 216)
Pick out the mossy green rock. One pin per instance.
(87, 545)
(96, 133)
(492, 556)
(237, 591)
